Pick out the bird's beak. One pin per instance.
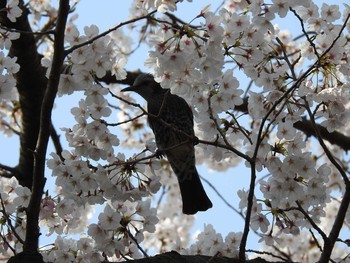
(131, 88)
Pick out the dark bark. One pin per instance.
(335, 138)
(168, 257)
(174, 257)
(33, 210)
(129, 80)
(36, 104)
(31, 83)
(27, 258)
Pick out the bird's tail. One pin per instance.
(182, 161)
(194, 197)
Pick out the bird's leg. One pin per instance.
(195, 140)
(159, 154)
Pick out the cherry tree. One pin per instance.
(276, 102)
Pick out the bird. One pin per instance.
(171, 120)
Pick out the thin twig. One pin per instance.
(8, 244)
(8, 220)
(26, 32)
(305, 33)
(336, 39)
(344, 205)
(56, 141)
(123, 122)
(70, 50)
(283, 253)
(211, 116)
(312, 222)
(11, 128)
(129, 103)
(162, 194)
(138, 245)
(260, 139)
(221, 197)
(286, 58)
(324, 146)
(267, 253)
(315, 240)
(242, 130)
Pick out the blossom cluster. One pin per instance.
(211, 243)
(119, 230)
(14, 199)
(173, 228)
(13, 10)
(162, 6)
(305, 250)
(8, 93)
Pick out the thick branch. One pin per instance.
(242, 246)
(31, 83)
(334, 138)
(344, 205)
(56, 140)
(32, 233)
(7, 172)
(337, 226)
(129, 80)
(174, 257)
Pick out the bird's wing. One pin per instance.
(174, 122)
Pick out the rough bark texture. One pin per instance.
(26, 258)
(31, 83)
(174, 257)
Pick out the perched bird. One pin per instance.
(171, 120)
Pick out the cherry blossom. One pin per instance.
(13, 10)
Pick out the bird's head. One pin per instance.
(145, 86)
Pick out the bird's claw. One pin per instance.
(195, 140)
(159, 154)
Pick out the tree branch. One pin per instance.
(8, 220)
(90, 41)
(344, 204)
(56, 141)
(32, 233)
(314, 225)
(221, 196)
(305, 33)
(174, 257)
(31, 83)
(242, 246)
(334, 138)
(7, 171)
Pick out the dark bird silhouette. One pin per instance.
(171, 120)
